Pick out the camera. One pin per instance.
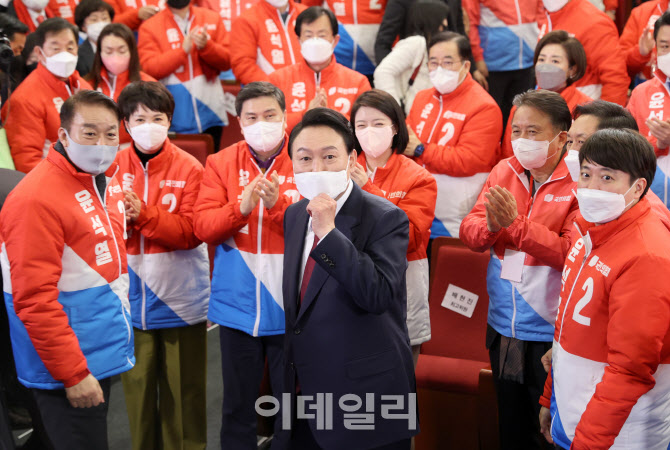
(6, 52)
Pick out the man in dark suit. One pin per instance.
(345, 301)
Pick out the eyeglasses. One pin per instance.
(447, 64)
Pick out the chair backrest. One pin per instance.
(198, 145)
(455, 335)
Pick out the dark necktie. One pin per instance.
(309, 268)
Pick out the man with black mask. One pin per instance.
(183, 46)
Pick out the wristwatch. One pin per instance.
(418, 151)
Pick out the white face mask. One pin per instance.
(375, 140)
(554, 5)
(149, 136)
(93, 159)
(532, 154)
(264, 137)
(316, 50)
(277, 3)
(61, 64)
(445, 81)
(93, 31)
(36, 5)
(598, 206)
(550, 76)
(572, 161)
(663, 63)
(311, 184)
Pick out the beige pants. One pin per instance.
(166, 390)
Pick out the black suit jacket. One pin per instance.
(85, 58)
(349, 335)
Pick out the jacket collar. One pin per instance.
(158, 161)
(325, 73)
(560, 171)
(598, 235)
(462, 88)
(121, 80)
(57, 85)
(381, 172)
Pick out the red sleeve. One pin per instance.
(629, 43)
(129, 17)
(537, 240)
(35, 272)
(156, 62)
(476, 148)
(217, 217)
(639, 318)
(419, 205)
(638, 112)
(243, 54)
(26, 132)
(545, 399)
(605, 54)
(473, 231)
(472, 9)
(276, 213)
(215, 52)
(173, 229)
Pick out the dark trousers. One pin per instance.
(72, 428)
(503, 86)
(518, 404)
(242, 364)
(303, 439)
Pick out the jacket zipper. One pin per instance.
(439, 114)
(259, 253)
(145, 198)
(116, 244)
(286, 34)
(112, 87)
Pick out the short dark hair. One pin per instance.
(425, 18)
(324, 117)
(610, 115)
(463, 43)
(31, 43)
(383, 102)
(10, 25)
(88, 7)
(625, 150)
(549, 103)
(152, 94)
(121, 31)
(311, 14)
(89, 98)
(661, 21)
(259, 89)
(573, 48)
(54, 25)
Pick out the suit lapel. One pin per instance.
(293, 255)
(346, 221)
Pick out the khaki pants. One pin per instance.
(166, 390)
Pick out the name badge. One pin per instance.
(512, 265)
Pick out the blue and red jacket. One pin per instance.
(168, 265)
(248, 264)
(64, 276)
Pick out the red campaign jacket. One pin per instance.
(641, 18)
(606, 76)
(246, 280)
(649, 100)
(263, 42)
(299, 83)
(612, 341)
(229, 10)
(24, 16)
(168, 265)
(112, 89)
(126, 11)
(572, 97)
(62, 8)
(34, 115)
(62, 246)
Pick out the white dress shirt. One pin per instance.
(309, 236)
